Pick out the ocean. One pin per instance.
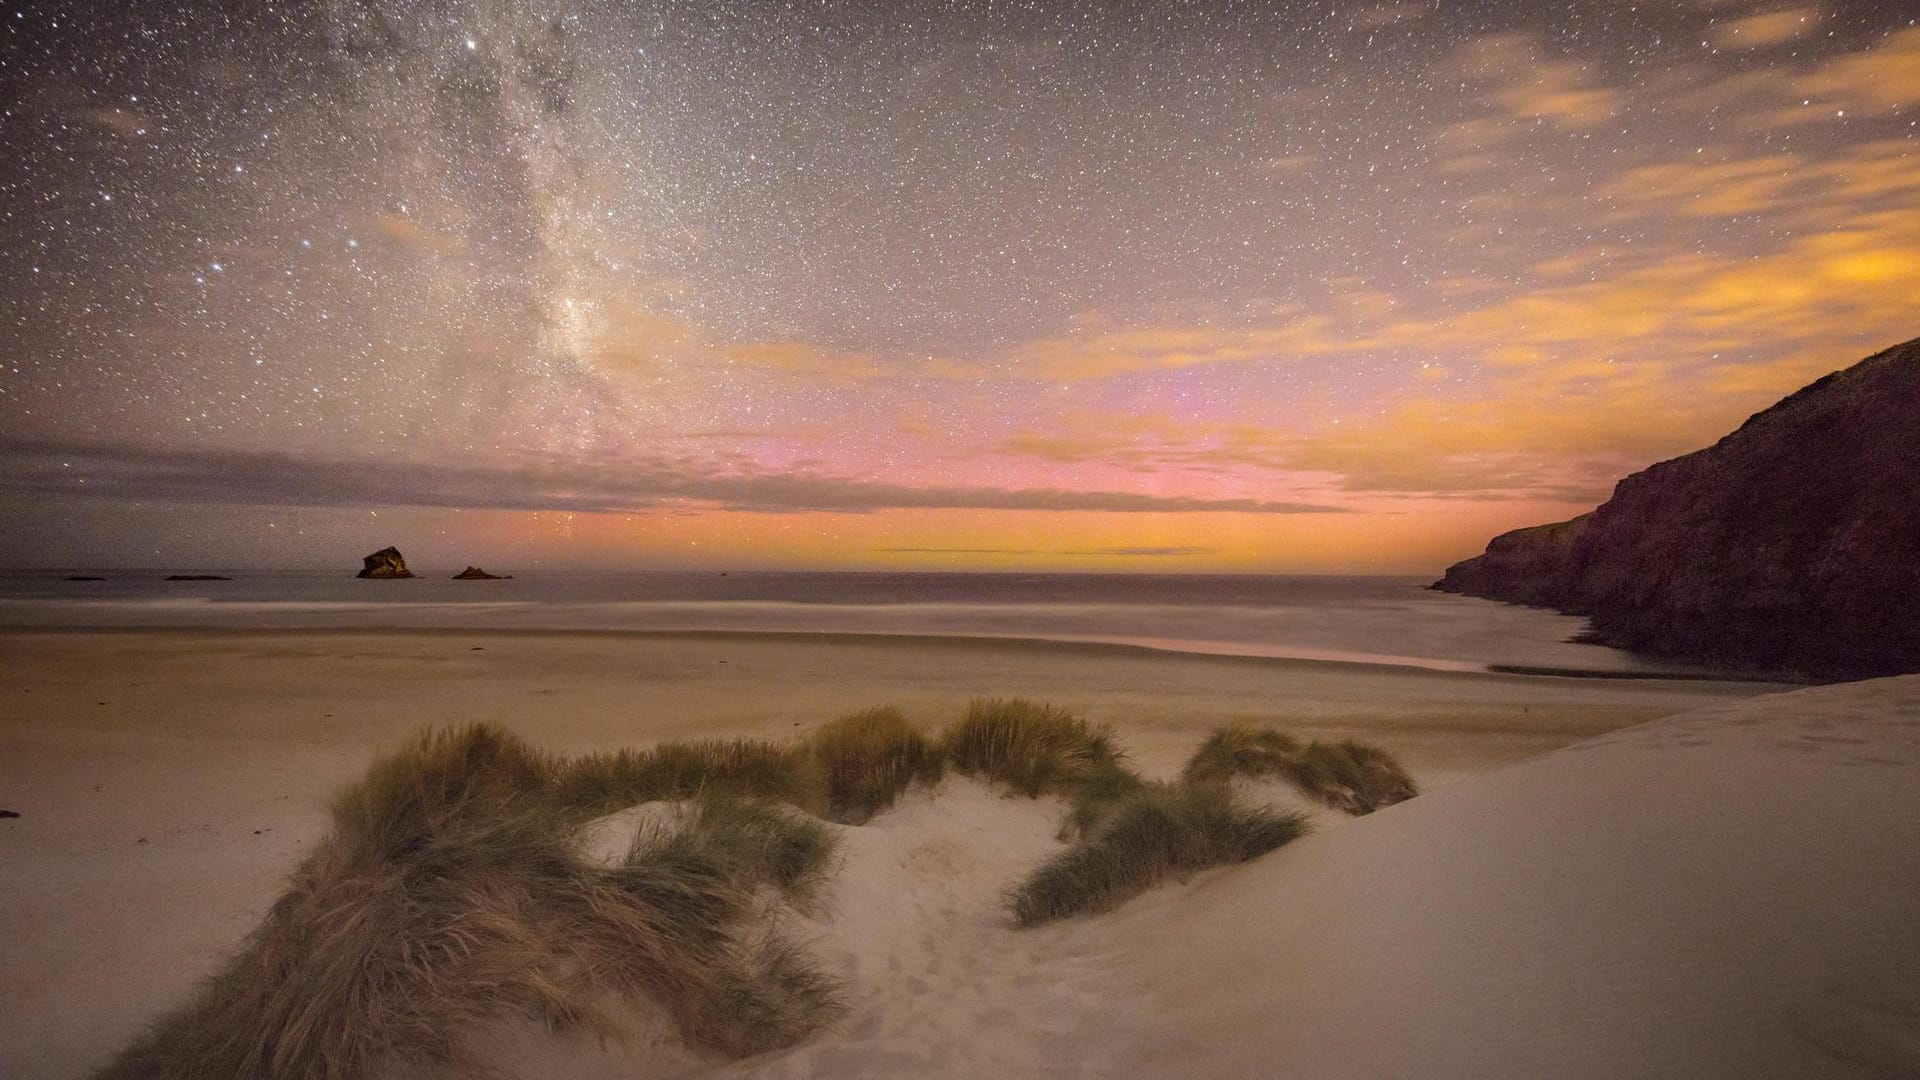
(1382, 620)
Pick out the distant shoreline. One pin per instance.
(1061, 646)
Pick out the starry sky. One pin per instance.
(1279, 287)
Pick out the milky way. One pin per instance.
(1240, 286)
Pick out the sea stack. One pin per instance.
(1790, 546)
(385, 563)
(474, 573)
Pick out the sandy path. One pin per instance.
(168, 780)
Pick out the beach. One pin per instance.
(169, 780)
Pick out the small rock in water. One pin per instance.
(9, 813)
(385, 563)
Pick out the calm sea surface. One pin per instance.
(1369, 619)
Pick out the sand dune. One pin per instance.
(1728, 892)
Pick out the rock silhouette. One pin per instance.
(474, 573)
(1790, 546)
(385, 563)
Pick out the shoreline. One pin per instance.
(1086, 645)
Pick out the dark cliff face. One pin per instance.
(1791, 545)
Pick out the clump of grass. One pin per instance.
(448, 894)
(1100, 793)
(1241, 750)
(1031, 748)
(1350, 776)
(599, 784)
(1152, 833)
(755, 841)
(868, 759)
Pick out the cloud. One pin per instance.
(1145, 552)
(1580, 380)
(1881, 79)
(121, 122)
(408, 233)
(1525, 84)
(251, 477)
(1706, 189)
(1089, 353)
(1846, 182)
(958, 551)
(1766, 29)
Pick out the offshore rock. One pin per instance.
(1790, 546)
(385, 563)
(474, 573)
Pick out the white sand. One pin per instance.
(1732, 893)
(169, 780)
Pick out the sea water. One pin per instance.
(1384, 620)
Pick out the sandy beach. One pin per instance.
(167, 782)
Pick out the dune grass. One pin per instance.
(1349, 776)
(1101, 792)
(868, 759)
(1033, 749)
(450, 892)
(448, 895)
(1352, 776)
(1241, 750)
(754, 840)
(602, 783)
(1145, 835)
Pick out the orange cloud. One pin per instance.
(803, 358)
(1528, 85)
(1086, 354)
(123, 123)
(1765, 29)
(1881, 79)
(1706, 189)
(409, 233)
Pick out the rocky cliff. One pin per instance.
(1791, 545)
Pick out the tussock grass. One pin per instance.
(447, 894)
(755, 841)
(1034, 749)
(1143, 837)
(602, 783)
(868, 759)
(1350, 776)
(1101, 792)
(1241, 750)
